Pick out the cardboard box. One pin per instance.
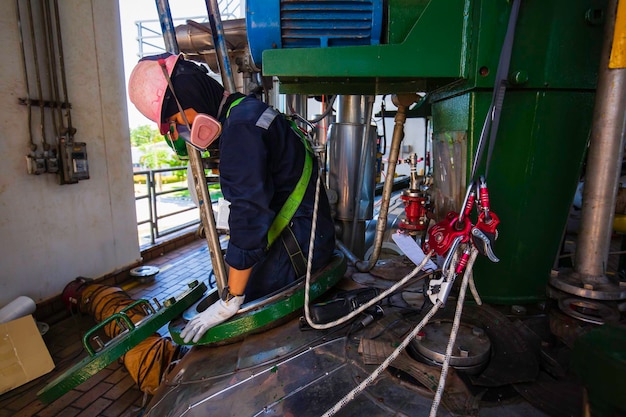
(23, 353)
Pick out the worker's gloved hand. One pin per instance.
(217, 313)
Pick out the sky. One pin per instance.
(132, 11)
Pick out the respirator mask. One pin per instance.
(204, 130)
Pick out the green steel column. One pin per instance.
(543, 133)
(532, 179)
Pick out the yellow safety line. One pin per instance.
(618, 51)
(130, 285)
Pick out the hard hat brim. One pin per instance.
(147, 87)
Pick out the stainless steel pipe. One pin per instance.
(402, 101)
(167, 26)
(351, 154)
(217, 30)
(603, 162)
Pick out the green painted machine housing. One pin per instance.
(386, 68)
(450, 49)
(542, 138)
(532, 179)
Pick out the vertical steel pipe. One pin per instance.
(351, 168)
(350, 151)
(33, 146)
(297, 104)
(352, 110)
(603, 161)
(219, 42)
(207, 217)
(364, 199)
(197, 168)
(273, 97)
(324, 124)
(167, 26)
(42, 114)
(70, 131)
(52, 70)
(402, 101)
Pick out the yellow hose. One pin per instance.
(148, 361)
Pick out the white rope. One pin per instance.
(357, 390)
(309, 263)
(307, 287)
(362, 308)
(453, 333)
(474, 291)
(365, 306)
(444, 372)
(383, 366)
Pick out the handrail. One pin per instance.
(153, 195)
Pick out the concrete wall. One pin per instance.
(51, 233)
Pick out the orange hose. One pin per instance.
(148, 361)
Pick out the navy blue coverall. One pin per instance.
(261, 160)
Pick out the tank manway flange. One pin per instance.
(471, 349)
(264, 313)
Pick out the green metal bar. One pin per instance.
(429, 37)
(147, 306)
(118, 317)
(119, 345)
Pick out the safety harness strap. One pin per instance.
(288, 209)
(492, 120)
(284, 216)
(233, 104)
(294, 251)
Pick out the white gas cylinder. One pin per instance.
(20, 307)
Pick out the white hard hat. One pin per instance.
(147, 86)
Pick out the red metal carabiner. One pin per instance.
(441, 236)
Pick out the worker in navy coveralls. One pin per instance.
(261, 160)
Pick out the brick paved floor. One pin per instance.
(111, 392)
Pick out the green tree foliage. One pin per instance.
(156, 152)
(143, 135)
(159, 158)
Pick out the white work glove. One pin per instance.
(217, 313)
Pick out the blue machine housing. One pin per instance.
(276, 24)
